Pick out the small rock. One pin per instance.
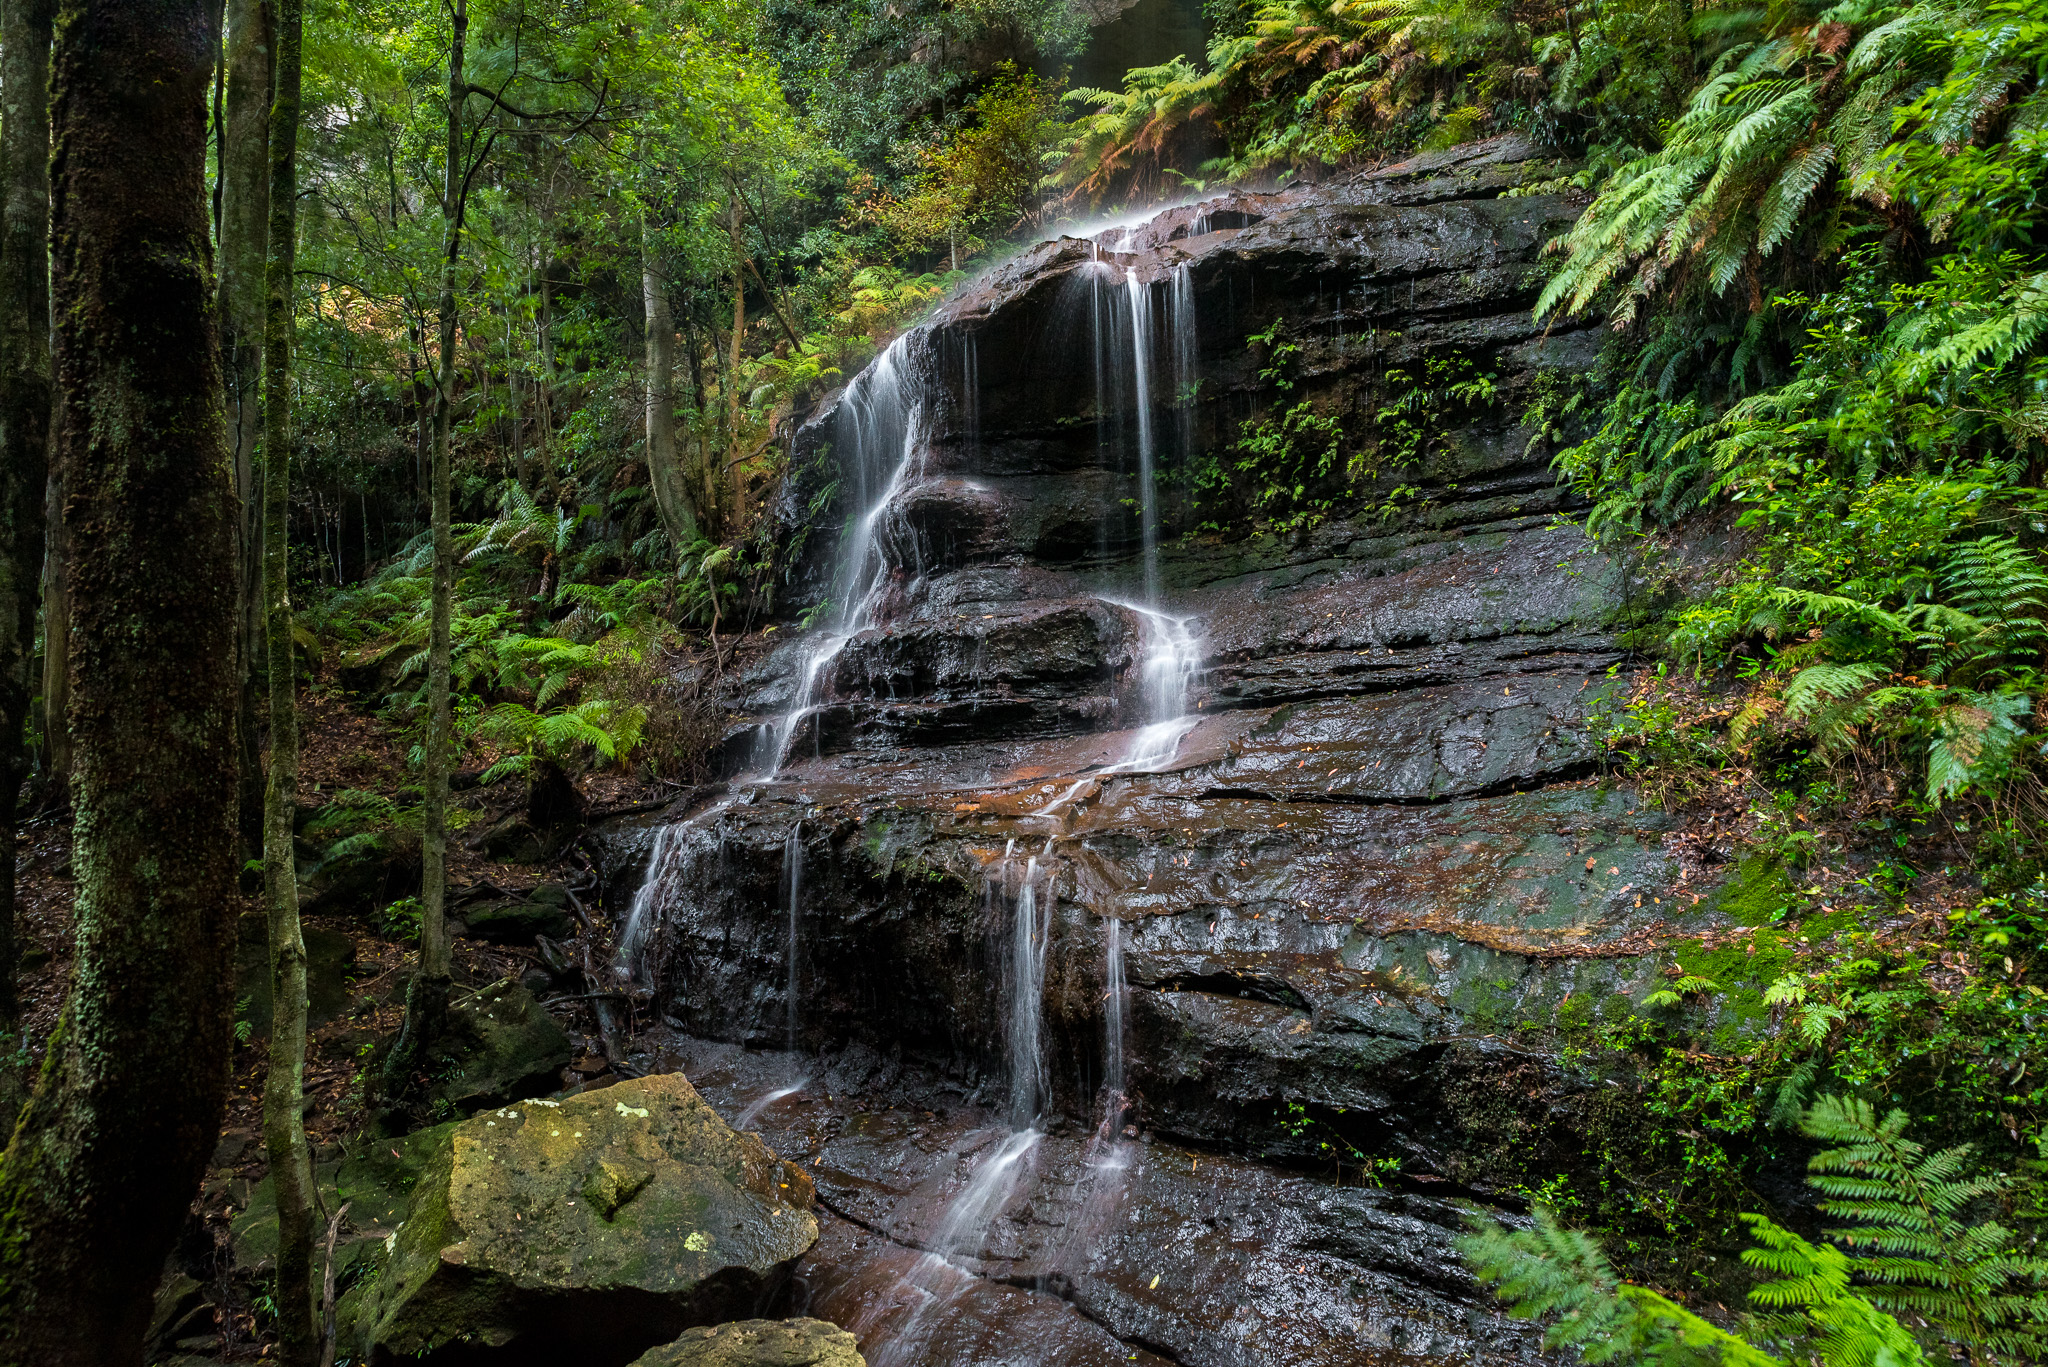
(759, 1343)
(502, 1046)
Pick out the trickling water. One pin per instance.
(793, 881)
(1148, 486)
(1180, 328)
(1113, 1021)
(961, 1233)
(881, 436)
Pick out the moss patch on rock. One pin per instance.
(590, 1228)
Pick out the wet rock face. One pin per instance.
(1366, 875)
(1098, 1250)
(585, 1229)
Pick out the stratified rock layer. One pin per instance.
(594, 1226)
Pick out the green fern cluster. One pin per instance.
(1906, 1209)
(1787, 112)
(1908, 1259)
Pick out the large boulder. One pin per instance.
(587, 1229)
(759, 1343)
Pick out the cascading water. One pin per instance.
(881, 427)
(1141, 367)
(881, 438)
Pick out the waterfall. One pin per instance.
(1113, 1022)
(936, 1279)
(881, 430)
(1180, 329)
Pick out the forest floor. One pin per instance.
(342, 748)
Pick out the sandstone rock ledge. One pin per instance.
(588, 1229)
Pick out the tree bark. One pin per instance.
(24, 448)
(56, 637)
(664, 465)
(107, 1157)
(244, 186)
(426, 1003)
(284, 1088)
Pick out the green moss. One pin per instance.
(1743, 971)
(1758, 894)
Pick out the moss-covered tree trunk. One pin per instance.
(104, 1164)
(24, 447)
(244, 188)
(664, 463)
(284, 1089)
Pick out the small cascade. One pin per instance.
(1030, 930)
(881, 438)
(882, 423)
(1180, 329)
(1113, 1023)
(938, 1277)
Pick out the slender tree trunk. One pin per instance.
(426, 1005)
(24, 447)
(516, 408)
(664, 465)
(284, 1088)
(244, 199)
(739, 331)
(108, 1154)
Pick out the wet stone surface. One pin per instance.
(1290, 844)
(1095, 1251)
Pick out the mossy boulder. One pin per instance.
(587, 1229)
(502, 1045)
(518, 924)
(759, 1343)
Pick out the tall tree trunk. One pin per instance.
(244, 196)
(426, 1004)
(24, 445)
(512, 402)
(739, 332)
(284, 1088)
(108, 1154)
(664, 465)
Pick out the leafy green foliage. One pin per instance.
(1548, 1270)
(1968, 1282)
(1907, 1206)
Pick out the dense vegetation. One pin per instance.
(549, 282)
